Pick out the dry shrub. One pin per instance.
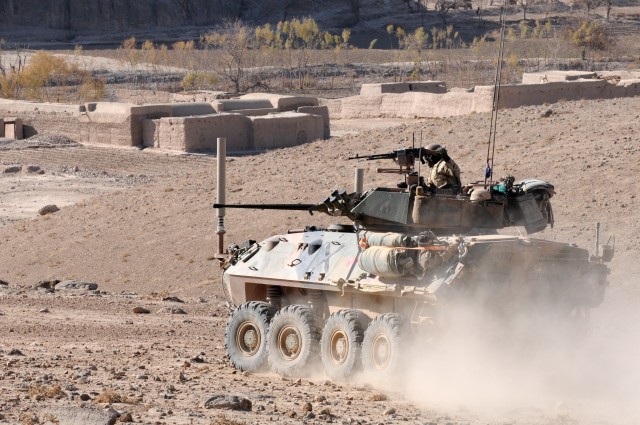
(110, 397)
(28, 419)
(379, 397)
(49, 418)
(223, 420)
(43, 392)
(46, 77)
(92, 89)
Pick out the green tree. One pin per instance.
(590, 36)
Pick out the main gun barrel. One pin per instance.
(286, 207)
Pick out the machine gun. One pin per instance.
(405, 158)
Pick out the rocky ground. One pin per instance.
(139, 224)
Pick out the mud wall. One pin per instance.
(198, 133)
(479, 99)
(188, 126)
(243, 133)
(513, 96)
(417, 86)
(286, 129)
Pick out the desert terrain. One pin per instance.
(139, 224)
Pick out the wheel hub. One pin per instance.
(381, 352)
(339, 347)
(248, 339)
(289, 342)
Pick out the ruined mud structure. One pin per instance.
(191, 122)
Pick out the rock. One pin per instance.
(85, 397)
(173, 299)
(15, 352)
(43, 310)
(171, 310)
(77, 416)
(47, 284)
(77, 284)
(198, 359)
(4, 283)
(310, 415)
(326, 411)
(32, 169)
(12, 169)
(307, 407)
(141, 310)
(126, 417)
(547, 113)
(228, 402)
(320, 398)
(48, 209)
(390, 411)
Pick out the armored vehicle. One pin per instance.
(349, 294)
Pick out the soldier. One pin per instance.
(445, 173)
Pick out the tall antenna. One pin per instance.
(419, 155)
(491, 145)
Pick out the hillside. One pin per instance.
(69, 21)
(159, 235)
(141, 226)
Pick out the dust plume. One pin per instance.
(534, 365)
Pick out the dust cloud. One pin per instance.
(534, 366)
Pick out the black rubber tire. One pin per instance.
(382, 345)
(293, 340)
(246, 335)
(341, 344)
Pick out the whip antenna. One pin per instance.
(491, 145)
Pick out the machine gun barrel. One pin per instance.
(391, 155)
(286, 207)
(403, 157)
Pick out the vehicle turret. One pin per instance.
(414, 206)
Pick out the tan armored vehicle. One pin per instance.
(349, 294)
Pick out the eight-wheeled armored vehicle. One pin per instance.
(349, 293)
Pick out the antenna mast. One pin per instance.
(491, 145)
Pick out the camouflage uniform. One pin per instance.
(445, 175)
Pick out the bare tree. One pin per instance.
(443, 7)
(233, 41)
(355, 9)
(589, 5)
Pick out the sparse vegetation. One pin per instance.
(110, 396)
(41, 392)
(46, 77)
(590, 36)
(224, 420)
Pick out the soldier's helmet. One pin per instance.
(433, 158)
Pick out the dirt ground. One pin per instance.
(139, 224)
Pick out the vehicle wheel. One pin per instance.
(246, 335)
(341, 343)
(293, 340)
(382, 344)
